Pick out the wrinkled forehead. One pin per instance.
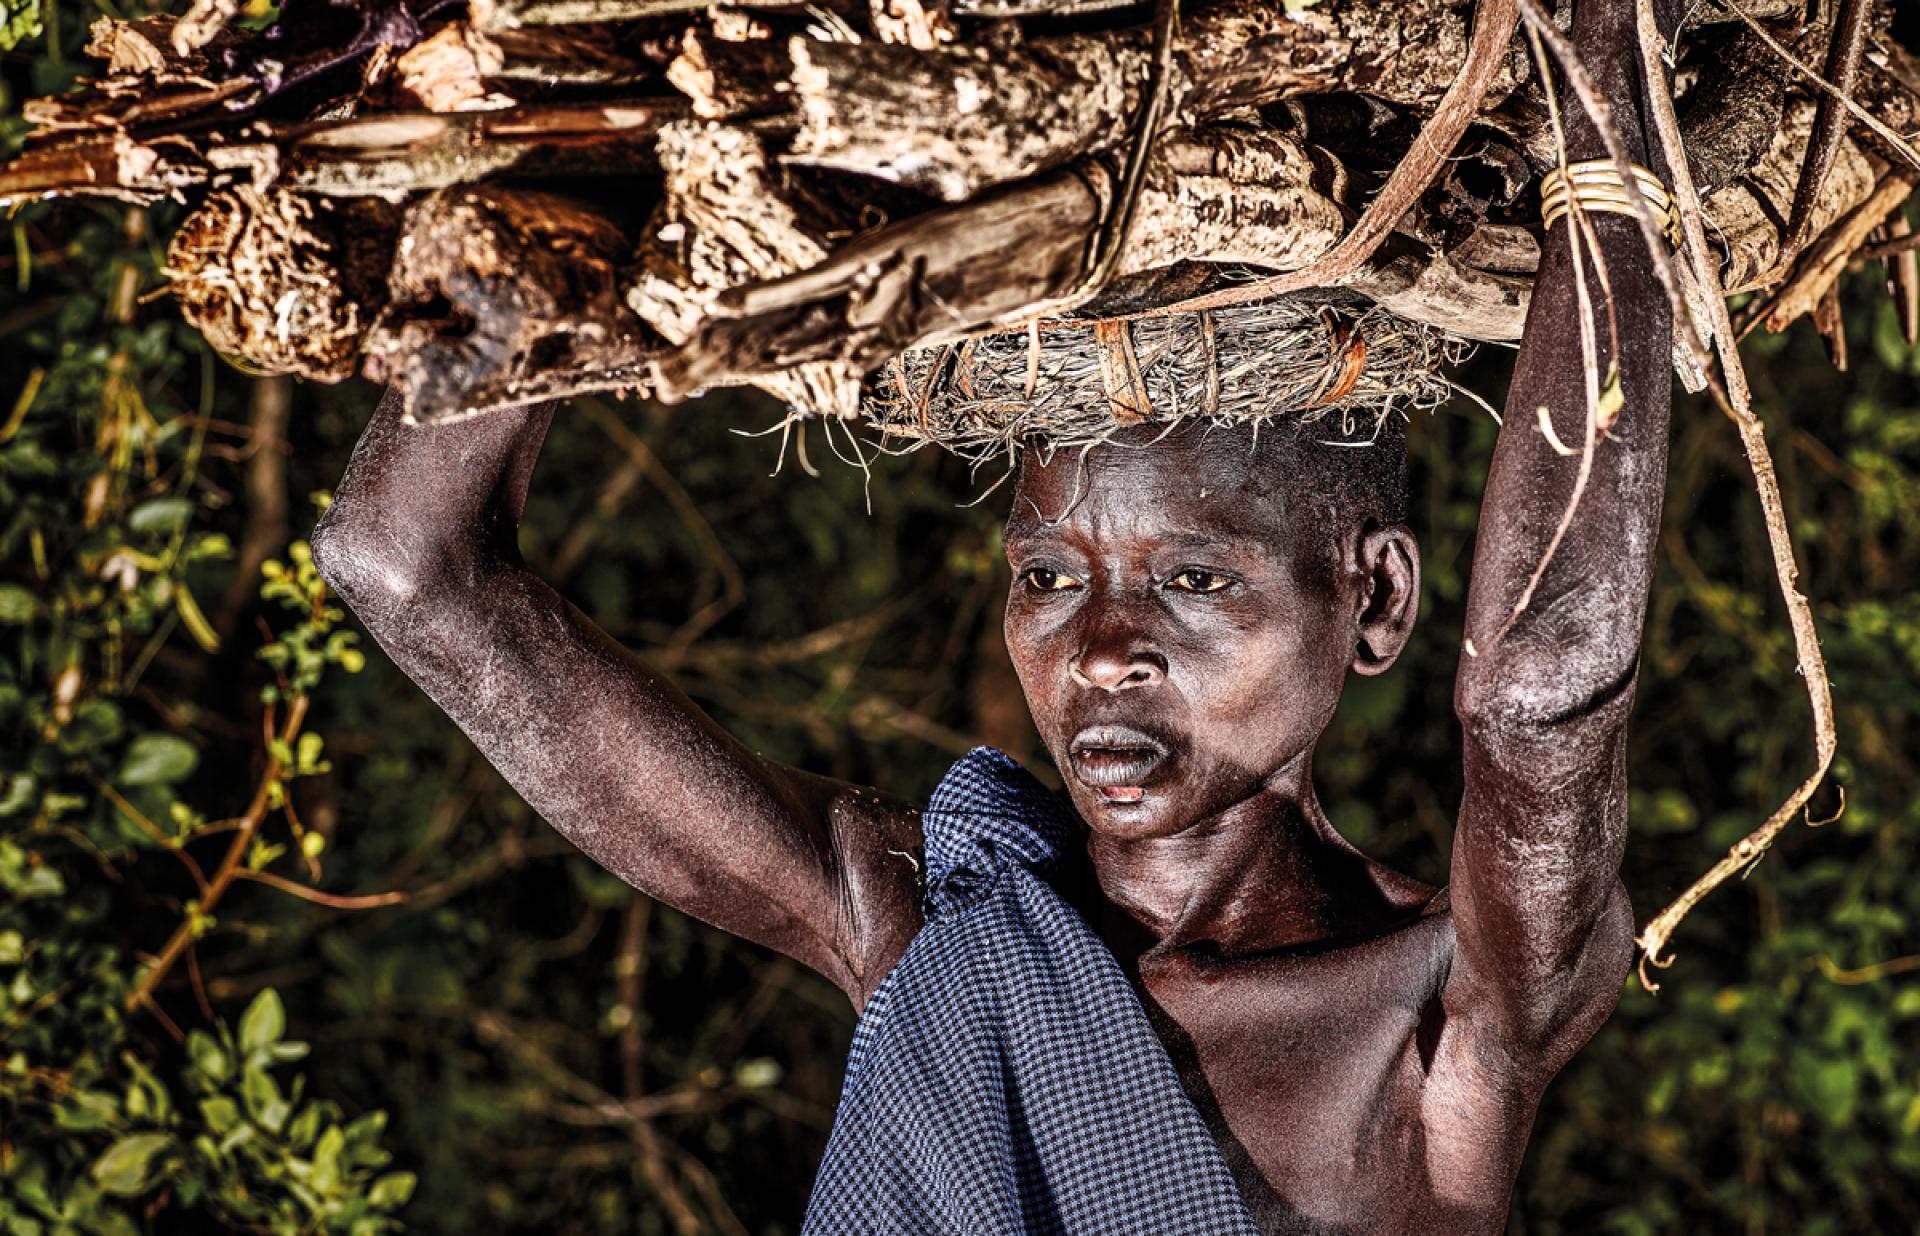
(1195, 480)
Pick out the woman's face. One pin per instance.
(1182, 627)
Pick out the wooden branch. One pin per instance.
(731, 78)
(415, 152)
(1228, 194)
(1443, 290)
(598, 55)
(1654, 938)
(284, 282)
(729, 218)
(1829, 123)
(491, 15)
(113, 166)
(1903, 276)
(1749, 216)
(1819, 269)
(384, 155)
(934, 277)
(494, 285)
(1010, 110)
(229, 868)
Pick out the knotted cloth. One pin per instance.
(1004, 1078)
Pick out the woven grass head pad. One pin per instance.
(1319, 386)
(1332, 363)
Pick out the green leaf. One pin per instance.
(123, 1169)
(1831, 1086)
(264, 1102)
(84, 1111)
(220, 1112)
(161, 516)
(326, 1160)
(363, 1132)
(391, 1191)
(206, 1055)
(760, 1073)
(158, 759)
(1612, 399)
(18, 604)
(263, 1023)
(19, 21)
(16, 794)
(305, 1129)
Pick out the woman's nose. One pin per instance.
(1117, 667)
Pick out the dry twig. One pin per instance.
(1829, 126)
(1806, 641)
(1899, 144)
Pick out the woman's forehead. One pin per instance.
(1191, 481)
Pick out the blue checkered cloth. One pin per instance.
(1004, 1078)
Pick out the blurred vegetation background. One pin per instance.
(384, 994)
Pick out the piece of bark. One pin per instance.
(730, 217)
(1830, 321)
(953, 271)
(1236, 194)
(923, 26)
(1903, 279)
(1749, 216)
(493, 285)
(397, 154)
(1008, 110)
(1501, 248)
(731, 78)
(281, 281)
(513, 14)
(594, 55)
(448, 72)
(1820, 267)
(1438, 289)
(1733, 112)
(204, 21)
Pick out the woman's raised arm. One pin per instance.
(421, 543)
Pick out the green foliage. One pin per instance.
(124, 774)
(19, 21)
(247, 1151)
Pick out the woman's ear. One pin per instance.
(1387, 560)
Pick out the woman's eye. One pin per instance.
(1046, 579)
(1199, 581)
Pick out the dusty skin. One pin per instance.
(1369, 1052)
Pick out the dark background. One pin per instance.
(503, 1014)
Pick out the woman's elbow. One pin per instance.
(1545, 691)
(374, 572)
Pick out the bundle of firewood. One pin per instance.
(492, 201)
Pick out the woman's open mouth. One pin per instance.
(1116, 761)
